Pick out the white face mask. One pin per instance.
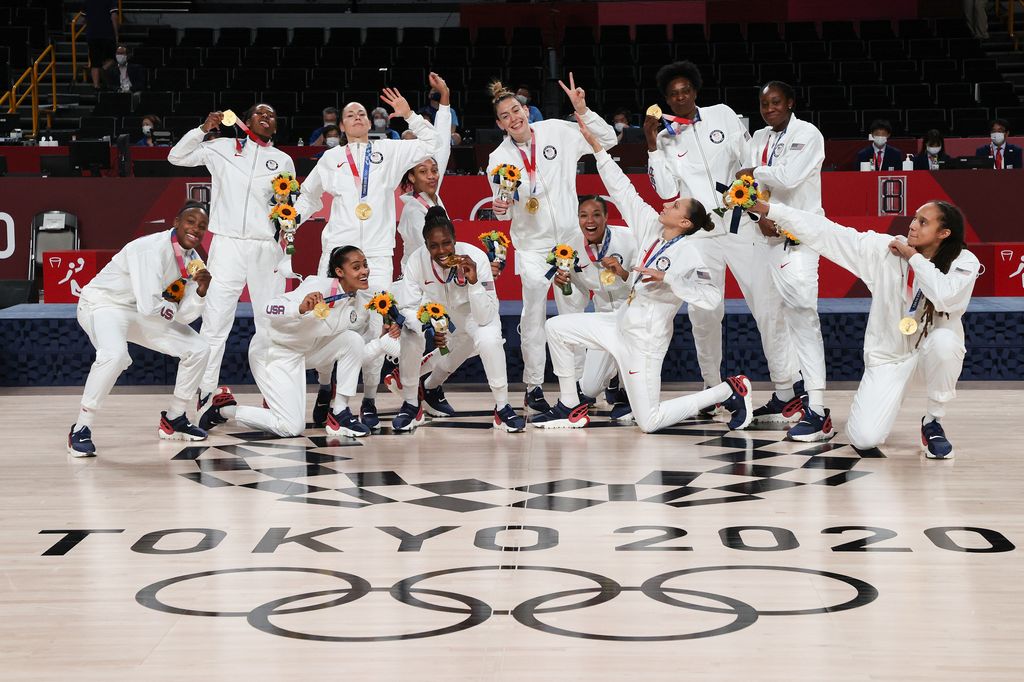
(619, 126)
(146, 130)
(879, 140)
(332, 141)
(934, 151)
(122, 59)
(523, 99)
(998, 138)
(380, 123)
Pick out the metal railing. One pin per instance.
(13, 100)
(76, 31)
(1011, 7)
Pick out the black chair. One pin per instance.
(651, 33)
(622, 76)
(418, 36)
(453, 36)
(374, 56)
(187, 57)
(237, 100)
(858, 73)
(196, 37)
(315, 101)
(299, 55)
(344, 36)
(964, 48)
(576, 55)
(249, 79)
(732, 75)
(613, 34)
(327, 78)
(763, 32)
(285, 102)
(451, 55)
(155, 102)
(222, 57)
(827, 97)
(777, 71)
(526, 35)
(307, 37)
(839, 124)
(731, 53)
(235, 37)
(953, 27)
(870, 96)
(162, 36)
(150, 56)
(381, 36)
(196, 103)
(693, 51)
(769, 52)
(920, 121)
(578, 35)
(267, 36)
(98, 127)
(490, 35)
(900, 71)
(913, 28)
(926, 48)
(879, 29)
(620, 98)
(520, 56)
(688, 33)
(743, 100)
(808, 51)
(1014, 115)
(940, 71)
(969, 121)
(886, 50)
(533, 78)
(725, 33)
(1000, 94)
(260, 57)
(912, 96)
(366, 79)
(213, 79)
(288, 78)
(113, 104)
(337, 56)
(847, 50)
(653, 53)
(837, 30)
(408, 55)
(50, 231)
(801, 31)
(818, 73)
(951, 95)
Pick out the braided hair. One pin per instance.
(952, 219)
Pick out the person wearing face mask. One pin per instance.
(1005, 156)
(244, 251)
(331, 116)
(149, 124)
(429, 112)
(122, 75)
(362, 176)
(379, 116)
(523, 95)
(620, 121)
(542, 214)
(879, 153)
(933, 156)
(331, 138)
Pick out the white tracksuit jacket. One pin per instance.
(794, 176)
(410, 225)
(621, 245)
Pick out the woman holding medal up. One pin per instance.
(544, 215)
(362, 176)
(668, 272)
(319, 323)
(920, 287)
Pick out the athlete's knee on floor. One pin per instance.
(863, 436)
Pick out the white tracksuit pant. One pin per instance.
(531, 268)
(235, 263)
(285, 387)
(381, 270)
(794, 272)
(598, 370)
(938, 361)
(110, 328)
(741, 254)
(639, 373)
(467, 340)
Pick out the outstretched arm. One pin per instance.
(602, 130)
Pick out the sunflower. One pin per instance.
(286, 212)
(747, 180)
(739, 194)
(282, 185)
(380, 303)
(564, 252)
(512, 174)
(175, 291)
(436, 310)
(502, 238)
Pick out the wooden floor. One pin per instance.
(462, 553)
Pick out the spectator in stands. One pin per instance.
(150, 123)
(379, 117)
(523, 95)
(620, 120)
(122, 75)
(1003, 154)
(100, 17)
(332, 138)
(331, 116)
(879, 153)
(430, 111)
(933, 154)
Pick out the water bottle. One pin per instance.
(908, 163)
(301, 143)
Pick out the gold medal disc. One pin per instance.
(608, 277)
(908, 326)
(321, 311)
(532, 205)
(363, 211)
(654, 111)
(764, 194)
(195, 266)
(229, 118)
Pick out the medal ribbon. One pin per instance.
(670, 119)
(604, 247)
(179, 254)
(916, 296)
(766, 157)
(531, 164)
(419, 197)
(649, 258)
(355, 171)
(239, 144)
(461, 281)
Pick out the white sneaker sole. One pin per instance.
(76, 453)
(776, 418)
(502, 426)
(344, 432)
(929, 455)
(436, 413)
(413, 425)
(815, 437)
(562, 424)
(748, 405)
(177, 435)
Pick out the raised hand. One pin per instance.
(202, 280)
(587, 135)
(438, 84)
(213, 120)
(310, 301)
(393, 98)
(468, 268)
(612, 263)
(577, 96)
(650, 274)
(651, 126)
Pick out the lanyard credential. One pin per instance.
(652, 256)
(531, 163)
(180, 254)
(768, 156)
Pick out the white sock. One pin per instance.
(500, 396)
(84, 419)
(569, 397)
(710, 397)
(340, 403)
(370, 392)
(928, 419)
(784, 392)
(432, 381)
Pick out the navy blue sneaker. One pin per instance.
(368, 414)
(436, 404)
(583, 397)
(739, 403)
(812, 427)
(506, 419)
(408, 418)
(535, 401)
(613, 391)
(622, 412)
(562, 417)
(211, 416)
(322, 406)
(344, 423)
(179, 429)
(778, 411)
(80, 442)
(934, 441)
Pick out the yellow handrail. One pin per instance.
(74, 40)
(14, 100)
(1011, 6)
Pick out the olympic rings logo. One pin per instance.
(530, 612)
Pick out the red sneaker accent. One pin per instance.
(165, 426)
(419, 415)
(737, 384)
(827, 426)
(394, 377)
(497, 421)
(793, 407)
(579, 412)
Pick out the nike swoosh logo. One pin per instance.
(783, 265)
(427, 282)
(632, 372)
(683, 154)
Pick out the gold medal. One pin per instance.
(532, 205)
(608, 277)
(363, 211)
(908, 326)
(632, 295)
(195, 266)
(321, 310)
(229, 118)
(654, 111)
(764, 195)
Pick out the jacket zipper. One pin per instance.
(248, 189)
(711, 181)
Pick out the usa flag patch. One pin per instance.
(704, 274)
(796, 146)
(488, 285)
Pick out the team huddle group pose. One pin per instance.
(344, 321)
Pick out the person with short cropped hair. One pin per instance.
(881, 154)
(1004, 155)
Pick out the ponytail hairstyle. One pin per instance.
(436, 218)
(700, 218)
(952, 219)
(338, 257)
(499, 93)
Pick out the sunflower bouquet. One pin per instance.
(433, 316)
(738, 197)
(563, 257)
(283, 214)
(175, 291)
(385, 305)
(496, 244)
(508, 178)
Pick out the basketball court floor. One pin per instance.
(462, 553)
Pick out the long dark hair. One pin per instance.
(700, 218)
(952, 219)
